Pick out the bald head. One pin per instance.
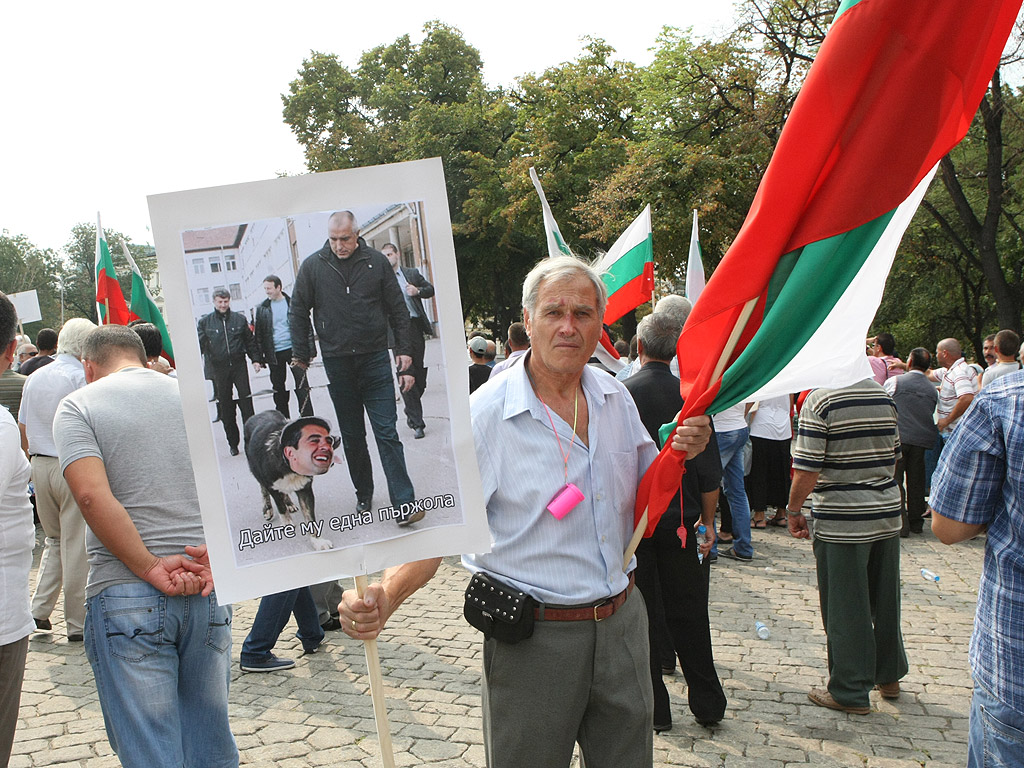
(947, 352)
(343, 234)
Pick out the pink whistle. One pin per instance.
(565, 500)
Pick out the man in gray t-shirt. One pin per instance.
(122, 448)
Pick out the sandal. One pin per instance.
(779, 521)
(757, 521)
(724, 538)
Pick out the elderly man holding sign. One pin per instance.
(561, 451)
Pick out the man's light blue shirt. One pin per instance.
(578, 559)
(980, 481)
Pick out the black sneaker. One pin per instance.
(43, 625)
(732, 554)
(408, 518)
(273, 664)
(363, 506)
(333, 624)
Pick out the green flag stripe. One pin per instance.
(802, 304)
(628, 266)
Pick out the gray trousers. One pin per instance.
(12, 673)
(326, 596)
(572, 681)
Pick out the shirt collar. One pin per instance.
(520, 397)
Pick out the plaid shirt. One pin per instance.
(980, 480)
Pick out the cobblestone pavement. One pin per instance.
(320, 713)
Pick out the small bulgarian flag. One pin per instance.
(694, 265)
(628, 268)
(110, 306)
(143, 307)
(605, 351)
(893, 88)
(556, 245)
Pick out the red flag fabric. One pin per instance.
(894, 87)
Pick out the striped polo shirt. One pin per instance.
(849, 437)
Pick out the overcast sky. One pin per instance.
(106, 103)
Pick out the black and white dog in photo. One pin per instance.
(284, 457)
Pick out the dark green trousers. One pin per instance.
(859, 590)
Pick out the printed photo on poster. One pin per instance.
(324, 428)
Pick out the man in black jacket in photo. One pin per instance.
(225, 340)
(354, 296)
(274, 340)
(415, 288)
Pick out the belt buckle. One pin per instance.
(601, 605)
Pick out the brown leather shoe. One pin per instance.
(889, 690)
(824, 699)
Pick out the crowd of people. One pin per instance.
(562, 447)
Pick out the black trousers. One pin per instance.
(667, 571)
(413, 406)
(768, 481)
(227, 379)
(278, 374)
(910, 474)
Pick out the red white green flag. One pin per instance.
(627, 270)
(893, 88)
(110, 305)
(143, 307)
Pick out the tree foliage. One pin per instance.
(694, 129)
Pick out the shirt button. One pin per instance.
(597, 497)
(602, 539)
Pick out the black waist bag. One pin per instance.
(498, 610)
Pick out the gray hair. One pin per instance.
(71, 339)
(675, 306)
(560, 269)
(659, 334)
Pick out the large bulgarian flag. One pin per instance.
(894, 87)
(110, 306)
(143, 307)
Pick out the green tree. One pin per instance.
(25, 267)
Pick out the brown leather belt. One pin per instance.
(597, 612)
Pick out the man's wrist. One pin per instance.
(794, 512)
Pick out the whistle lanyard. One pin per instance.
(575, 415)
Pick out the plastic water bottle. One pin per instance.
(702, 538)
(930, 575)
(762, 630)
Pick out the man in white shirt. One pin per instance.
(18, 536)
(957, 385)
(64, 559)
(1005, 349)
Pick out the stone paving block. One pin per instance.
(62, 755)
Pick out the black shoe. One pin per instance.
(363, 506)
(708, 723)
(662, 727)
(43, 624)
(408, 518)
(732, 554)
(917, 527)
(418, 433)
(233, 450)
(333, 624)
(76, 637)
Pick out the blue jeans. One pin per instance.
(730, 448)
(359, 382)
(271, 618)
(996, 736)
(162, 666)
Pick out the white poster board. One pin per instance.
(27, 304)
(232, 237)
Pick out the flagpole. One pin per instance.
(380, 713)
(730, 345)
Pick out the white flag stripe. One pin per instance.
(556, 243)
(694, 266)
(635, 234)
(834, 355)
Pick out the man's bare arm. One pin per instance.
(109, 520)
(952, 531)
(364, 618)
(958, 410)
(801, 487)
